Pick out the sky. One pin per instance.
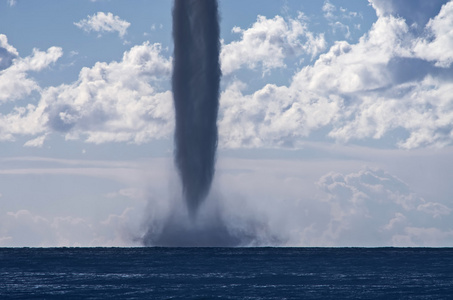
(335, 122)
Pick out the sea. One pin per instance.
(226, 273)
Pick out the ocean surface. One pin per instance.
(226, 273)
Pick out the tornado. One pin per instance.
(195, 85)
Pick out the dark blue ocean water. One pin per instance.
(226, 273)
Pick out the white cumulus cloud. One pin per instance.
(36, 142)
(102, 22)
(268, 42)
(7, 52)
(117, 101)
(393, 84)
(15, 82)
(438, 45)
(275, 116)
(389, 81)
(114, 101)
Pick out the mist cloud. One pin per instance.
(253, 202)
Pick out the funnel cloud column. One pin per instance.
(195, 83)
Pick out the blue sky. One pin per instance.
(335, 122)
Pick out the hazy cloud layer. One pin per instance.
(368, 207)
(23, 228)
(253, 202)
(384, 205)
(110, 217)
